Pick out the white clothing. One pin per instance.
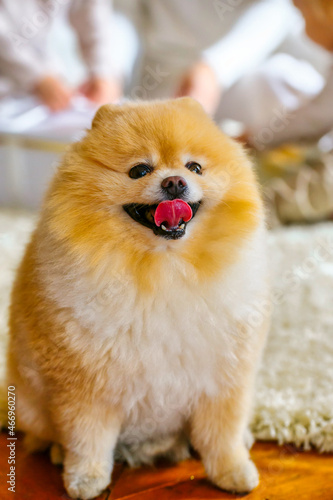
(274, 79)
(233, 36)
(25, 55)
(288, 98)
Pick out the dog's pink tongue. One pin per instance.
(171, 212)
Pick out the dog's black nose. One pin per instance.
(174, 185)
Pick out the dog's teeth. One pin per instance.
(182, 226)
(163, 227)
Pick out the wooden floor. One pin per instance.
(286, 474)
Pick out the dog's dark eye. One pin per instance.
(194, 167)
(139, 171)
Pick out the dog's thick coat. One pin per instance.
(123, 339)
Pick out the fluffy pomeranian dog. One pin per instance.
(135, 318)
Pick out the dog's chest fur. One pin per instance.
(156, 353)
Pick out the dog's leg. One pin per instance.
(88, 436)
(217, 432)
(248, 438)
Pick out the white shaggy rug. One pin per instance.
(294, 398)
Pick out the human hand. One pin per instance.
(101, 90)
(53, 92)
(200, 82)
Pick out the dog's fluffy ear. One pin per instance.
(104, 114)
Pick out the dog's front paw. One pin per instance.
(86, 486)
(242, 478)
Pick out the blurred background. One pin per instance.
(261, 68)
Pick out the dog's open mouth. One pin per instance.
(168, 219)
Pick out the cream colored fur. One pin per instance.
(103, 359)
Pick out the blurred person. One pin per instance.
(200, 48)
(288, 98)
(29, 67)
(286, 106)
